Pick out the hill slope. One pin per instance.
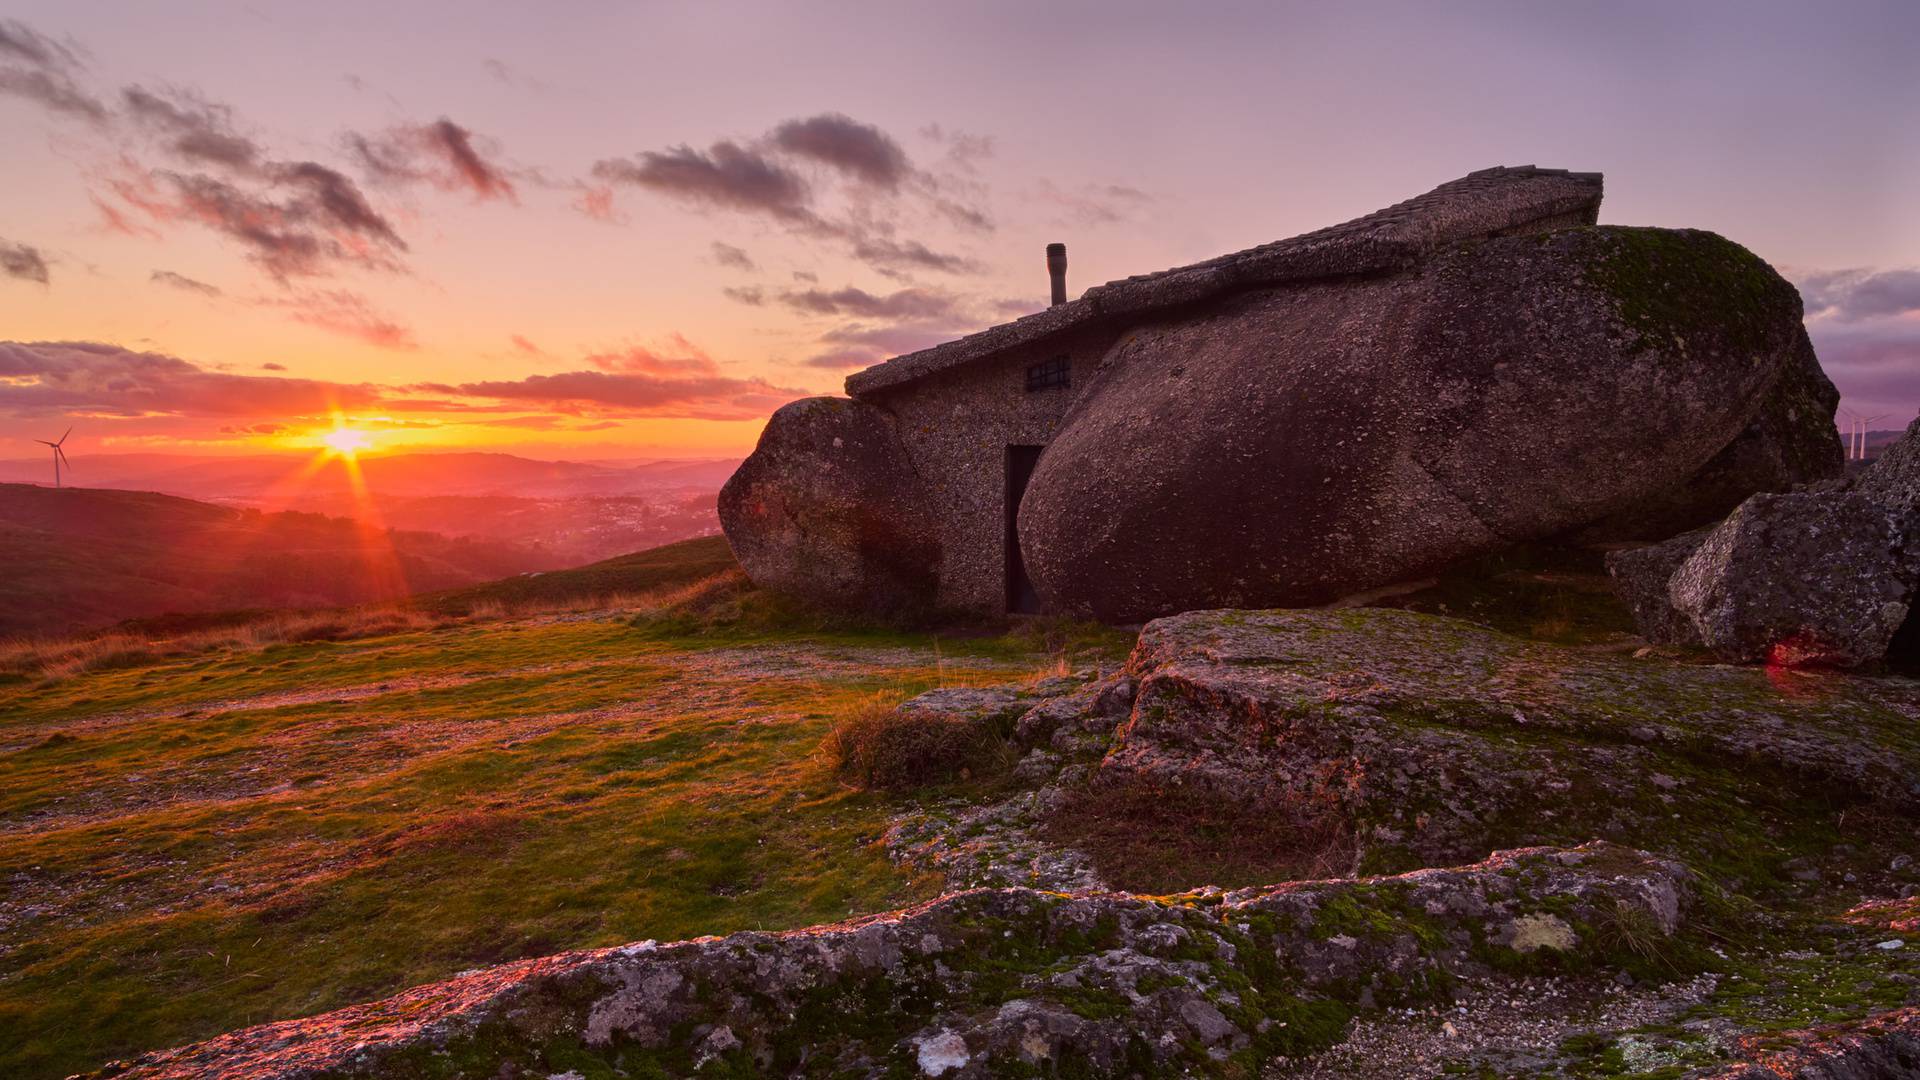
(663, 567)
(78, 558)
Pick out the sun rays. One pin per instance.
(346, 442)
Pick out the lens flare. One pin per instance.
(346, 441)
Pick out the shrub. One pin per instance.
(876, 745)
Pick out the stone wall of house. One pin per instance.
(957, 426)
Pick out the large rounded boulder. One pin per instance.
(828, 510)
(1791, 441)
(1300, 444)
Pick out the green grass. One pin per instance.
(219, 840)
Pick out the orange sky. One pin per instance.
(634, 230)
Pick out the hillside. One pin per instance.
(642, 571)
(79, 558)
(571, 531)
(255, 837)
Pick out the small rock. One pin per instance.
(942, 1051)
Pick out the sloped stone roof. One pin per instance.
(1485, 203)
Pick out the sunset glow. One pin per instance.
(533, 244)
(346, 442)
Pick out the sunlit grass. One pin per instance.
(201, 841)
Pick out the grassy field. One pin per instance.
(215, 840)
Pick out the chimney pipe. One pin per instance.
(1057, 270)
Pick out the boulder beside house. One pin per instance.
(1824, 577)
(1294, 423)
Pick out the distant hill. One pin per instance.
(293, 477)
(81, 558)
(644, 571)
(573, 531)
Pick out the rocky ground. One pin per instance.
(1656, 867)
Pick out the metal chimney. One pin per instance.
(1057, 270)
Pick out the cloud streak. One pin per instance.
(38, 69)
(348, 314)
(860, 151)
(39, 378)
(1853, 295)
(1865, 326)
(183, 283)
(901, 304)
(24, 262)
(192, 128)
(732, 257)
(442, 154)
(725, 176)
(679, 380)
(771, 178)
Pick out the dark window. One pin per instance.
(1050, 373)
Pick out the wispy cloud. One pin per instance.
(304, 220)
(1091, 205)
(725, 176)
(703, 397)
(347, 313)
(23, 261)
(732, 257)
(38, 69)
(1852, 295)
(1865, 326)
(183, 283)
(772, 178)
(900, 304)
(193, 128)
(860, 151)
(442, 153)
(677, 380)
(62, 376)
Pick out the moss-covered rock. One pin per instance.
(988, 983)
(1437, 740)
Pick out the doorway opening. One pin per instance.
(1021, 597)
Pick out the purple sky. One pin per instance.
(593, 228)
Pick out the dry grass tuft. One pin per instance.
(874, 745)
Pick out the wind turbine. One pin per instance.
(1865, 421)
(59, 455)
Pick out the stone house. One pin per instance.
(975, 413)
(1302, 421)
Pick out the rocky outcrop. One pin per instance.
(1641, 576)
(1435, 740)
(1801, 579)
(827, 509)
(989, 983)
(1884, 1047)
(1893, 480)
(1296, 445)
(1823, 577)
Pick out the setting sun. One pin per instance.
(346, 441)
